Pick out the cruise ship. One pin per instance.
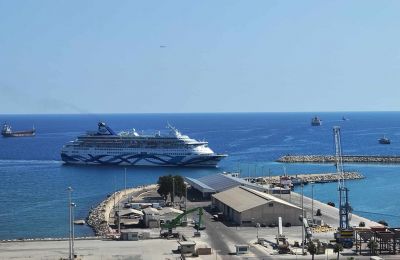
(104, 146)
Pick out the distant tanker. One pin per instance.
(8, 132)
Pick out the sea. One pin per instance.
(34, 180)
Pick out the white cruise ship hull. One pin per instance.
(144, 159)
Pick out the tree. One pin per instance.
(166, 186)
(337, 249)
(180, 187)
(312, 249)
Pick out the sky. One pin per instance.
(199, 56)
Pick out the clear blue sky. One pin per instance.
(220, 56)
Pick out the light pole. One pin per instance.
(312, 203)
(186, 201)
(73, 205)
(69, 189)
(125, 182)
(173, 192)
(270, 183)
(302, 217)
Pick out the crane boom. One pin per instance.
(345, 232)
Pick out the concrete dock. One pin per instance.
(388, 159)
(219, 236)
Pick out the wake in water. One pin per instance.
(2, 162)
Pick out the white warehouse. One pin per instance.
(245, 206)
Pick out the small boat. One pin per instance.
(316, 121)
(8, 132)
(345, 119)
(79, 222)
(384, 140)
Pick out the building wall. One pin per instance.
(265, 214)
(269, 213)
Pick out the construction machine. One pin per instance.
(170, 225)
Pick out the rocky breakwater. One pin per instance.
(329, 177)
(345, 158)
(99, 216)
(297, 179)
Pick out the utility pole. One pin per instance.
(186, 202)
(73, 205)
(69, 189)
(270, 183)
(302, 217)
(312, 203)
(173, 192)
(125, 181)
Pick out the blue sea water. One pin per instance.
(33, 196)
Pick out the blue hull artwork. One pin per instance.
(144, 160)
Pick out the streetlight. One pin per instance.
(173, 192)
(69, 189)
(73, 205)
(312, 203)
(125, 182)
(302, 217)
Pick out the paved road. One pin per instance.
(223, 239)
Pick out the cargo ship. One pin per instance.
(384, 140)
(8, 132)
(316, 121)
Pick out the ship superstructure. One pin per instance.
(104, 146)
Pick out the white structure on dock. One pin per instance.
(246, 206)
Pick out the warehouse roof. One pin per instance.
(242, 198)
(219, 182)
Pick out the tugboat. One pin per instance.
(384, 140)
(8, 132)
(316, 121)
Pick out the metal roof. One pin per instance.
(219, 182)
(198, 185)
(242, 198)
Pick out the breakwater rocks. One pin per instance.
(297, 179)
(332, 159)
(99, 216)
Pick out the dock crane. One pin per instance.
(345, 232)
(177, 221)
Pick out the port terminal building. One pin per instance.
(208, 185)
(246, 206)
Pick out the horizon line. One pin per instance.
(230, 112)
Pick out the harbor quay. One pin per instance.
(345, 158)
(221, 237)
